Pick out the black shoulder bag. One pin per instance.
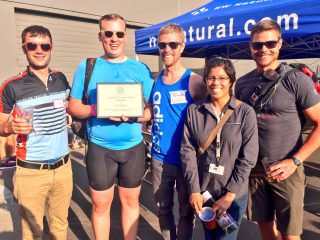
(263, 92)
(79, 126)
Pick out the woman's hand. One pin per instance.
(223, 203)
(196, 202)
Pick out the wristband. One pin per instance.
(132, 120)
(93, 112)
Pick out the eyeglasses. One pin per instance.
(33, 46)
(109, 34)
(220, 79)
(268, 44)
(172, 45)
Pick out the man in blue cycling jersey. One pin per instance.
(33, 106)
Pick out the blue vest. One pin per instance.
(170, 103)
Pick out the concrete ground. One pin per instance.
(79, 212)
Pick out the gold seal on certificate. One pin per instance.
(117, 99)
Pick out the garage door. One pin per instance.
(73, 41)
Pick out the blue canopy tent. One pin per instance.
(222, 27)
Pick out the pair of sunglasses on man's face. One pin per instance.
(172, 45)
(109, 34)
(268, 44)
(33, 46)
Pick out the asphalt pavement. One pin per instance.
(79, 212)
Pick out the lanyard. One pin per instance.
(218, 139)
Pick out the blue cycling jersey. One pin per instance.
(46, 106)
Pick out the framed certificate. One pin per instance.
(117, 99)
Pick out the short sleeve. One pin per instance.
(147, 83)
(6, 101)
(304, 90)
(78, 81)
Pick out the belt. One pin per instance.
(49, 166)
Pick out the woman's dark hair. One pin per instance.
(218, 62)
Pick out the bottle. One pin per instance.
(226, 222)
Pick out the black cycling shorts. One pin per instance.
(104, 166)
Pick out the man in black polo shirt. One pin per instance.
(33, 106)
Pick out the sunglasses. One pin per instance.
(109, 34)
(33, 46)
(268, 44)
(172, 45)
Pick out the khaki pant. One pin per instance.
(33, 188)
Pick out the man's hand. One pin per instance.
(281, 170)
(19, 125)
(196, 202)
(223, 203)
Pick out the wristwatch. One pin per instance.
(296, 161)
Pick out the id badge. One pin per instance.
(216, 170)
(58, 103)
(177, 97)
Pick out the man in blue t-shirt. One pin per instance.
(175, 89)
(115, 149)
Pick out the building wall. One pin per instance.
(142, 12)
(138, 13)
(8, 49)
